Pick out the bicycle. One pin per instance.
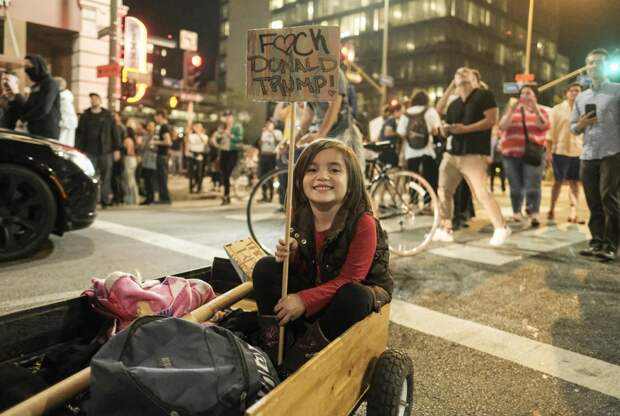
(403, 201)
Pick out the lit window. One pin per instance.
(310, 10)
(276, 4)
(277, 24)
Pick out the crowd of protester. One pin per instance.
(577, 139)
(469, 144)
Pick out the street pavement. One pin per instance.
(530, 328)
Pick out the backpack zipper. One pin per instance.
(244, 368)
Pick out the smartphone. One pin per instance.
(591, 108)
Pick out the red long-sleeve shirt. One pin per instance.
(356, 266)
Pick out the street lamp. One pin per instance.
(528, 47)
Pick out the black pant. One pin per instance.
(195, 169)
(430, 171)
(601, 185)
(103, 168)
(162, 178)
(228, 160)
(463, 205)
(497, 169)
(149, 189)
(351, 303)
(266, 164)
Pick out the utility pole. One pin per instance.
(113, 53)
(528, 47)
(386, 15)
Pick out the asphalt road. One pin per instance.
(530, 328)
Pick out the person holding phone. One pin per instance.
(525, 120)
(14, 101)
(596, 115)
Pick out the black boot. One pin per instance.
(268, 336)
(304, 348)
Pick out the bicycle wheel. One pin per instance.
(408, 210)
(267, 220)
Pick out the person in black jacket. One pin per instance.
(98, 137)
(41, 111)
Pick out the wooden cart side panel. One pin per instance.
(330, 383)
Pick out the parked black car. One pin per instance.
(45, 187)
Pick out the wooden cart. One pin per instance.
(354, 368)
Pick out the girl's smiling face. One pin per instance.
(325, 180)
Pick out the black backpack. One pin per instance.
(170, 366)
(417, 132)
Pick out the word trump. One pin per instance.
(293, 64)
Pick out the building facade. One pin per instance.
(64, 32)
(430, 39)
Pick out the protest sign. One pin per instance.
(293, 64)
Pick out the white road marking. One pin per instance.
(257, 217)
(575, 368)
(475, 254)
(162, 240)
(519, 245)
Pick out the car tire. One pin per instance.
(391, 387)
(27, 211)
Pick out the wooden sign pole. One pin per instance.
(289, 219)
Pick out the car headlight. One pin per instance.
(78, 158)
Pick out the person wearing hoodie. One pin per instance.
(41, 111)
(68, 118)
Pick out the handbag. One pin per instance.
(533, 152)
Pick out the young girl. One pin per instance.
(339, 257)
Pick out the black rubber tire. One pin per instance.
(31, 219)
(392, 370)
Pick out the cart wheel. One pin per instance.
(391, 388)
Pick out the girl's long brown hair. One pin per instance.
(356, 195)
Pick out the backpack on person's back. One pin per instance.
(417, 135)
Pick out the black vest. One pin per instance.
(332, 256)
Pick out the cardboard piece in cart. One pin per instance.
(244, 254)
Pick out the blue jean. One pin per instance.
(525, 183)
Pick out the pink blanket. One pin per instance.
(123, 298)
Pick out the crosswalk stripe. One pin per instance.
(162, 240)
(519, 245)
(573, 367)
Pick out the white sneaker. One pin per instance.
(443, 235)
(500, 235)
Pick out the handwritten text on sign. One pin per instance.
(293, 64)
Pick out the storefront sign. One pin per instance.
(109, 70)
(135, 45)
(293, 64)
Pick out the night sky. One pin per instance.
(588, 24)
(163, 17)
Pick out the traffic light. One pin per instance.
(173, 102)
(192, 70)
(613, 66)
